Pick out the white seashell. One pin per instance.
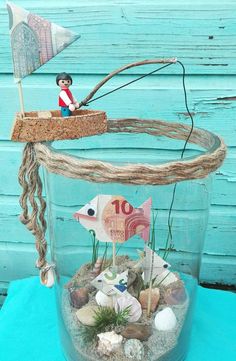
(46, 275)
(134, 349)
(103, 300)
(109, 342)
(165, 320)
(129, 301)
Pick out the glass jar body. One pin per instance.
(179, 215)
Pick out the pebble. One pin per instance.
(78, 297)
(138, 331)
(86, 314)
(165, 320)
(155, 296)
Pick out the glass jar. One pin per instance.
(178, 221)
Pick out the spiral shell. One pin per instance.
(134, 306)
(108, 343)
(134, 349)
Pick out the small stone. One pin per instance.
(175, 296)
(138, 331)
(79, 297)
(86, 314)
(155, 296)
(165, 320)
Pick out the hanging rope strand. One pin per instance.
(23, 181)
(31, 184)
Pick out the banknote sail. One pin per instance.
(113, 219)
(34, 40)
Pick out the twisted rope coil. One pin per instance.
(172, 172)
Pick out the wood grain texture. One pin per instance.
(202, 34)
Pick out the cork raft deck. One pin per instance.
(38, 126)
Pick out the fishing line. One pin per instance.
(170, 236)
(126, 84)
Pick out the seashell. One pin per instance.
(86, 315)
(108, 343)
(134, 349)
(78, 297)
(97, 266)
(103, 300)
(155, 296)
(165, 320)
(129, 301)
(175, 295)
(46, 275)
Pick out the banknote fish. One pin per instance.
(114, 219)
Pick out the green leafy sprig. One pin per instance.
(106, 318)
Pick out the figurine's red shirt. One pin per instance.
(68, 92)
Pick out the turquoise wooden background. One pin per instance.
(202, 34)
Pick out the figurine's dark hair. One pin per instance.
(63, 76)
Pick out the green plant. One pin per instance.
(106, 318)
(152, 237)
(95, 246)
(104, 257)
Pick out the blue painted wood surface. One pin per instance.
(203, 36)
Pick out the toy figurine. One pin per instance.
(66, 100)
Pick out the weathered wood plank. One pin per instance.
(121, 32)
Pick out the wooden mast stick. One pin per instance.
(150, 287)
(20, 90)
(149, 298)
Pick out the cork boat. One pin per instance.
(31, 51)
(37, 126)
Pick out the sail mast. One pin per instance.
(21, 98)
(30, 51)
